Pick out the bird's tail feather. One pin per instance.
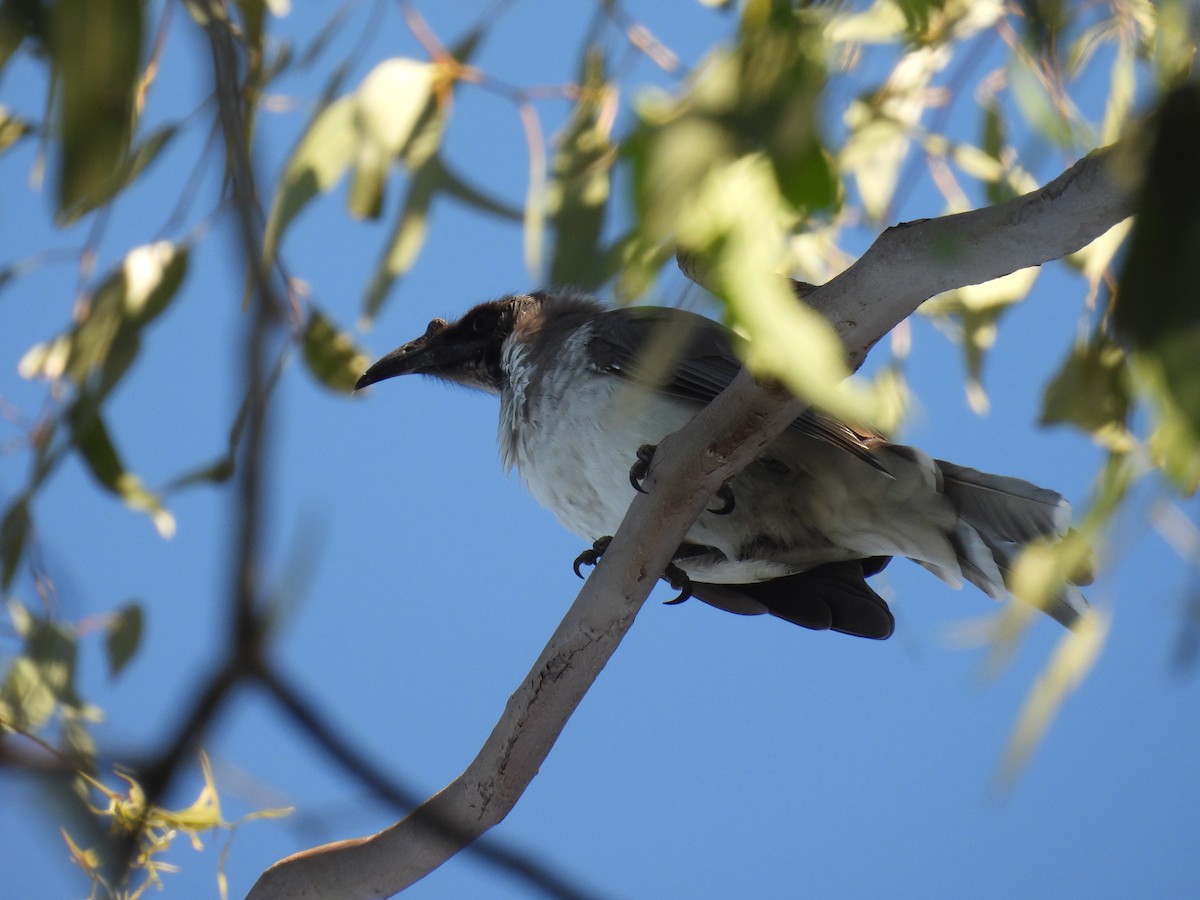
(997, 517)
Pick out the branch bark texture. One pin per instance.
(907, 265)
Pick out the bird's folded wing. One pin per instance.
(834, 596)
(686, 355)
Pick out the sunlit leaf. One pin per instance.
(12, 128)
(1096, 258)
(976, 162)
(100, 348)
(45, 672)
(319, 161)
(1054, 117)
(331, 355)
(389, 103)
(26, 696)
(123, 636)
(883, 22)
(971, 315)
(1073, 658)
(873, 154)
(1093, 391)
(1120, 92)
(97, 49)
(738, 225)
(1172, 23)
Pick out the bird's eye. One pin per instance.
(480, 324)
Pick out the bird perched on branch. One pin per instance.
(795, 534)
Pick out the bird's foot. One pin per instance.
(677, 578)
(592, 555)
(725, 495)
(672, 575)
(640, 469)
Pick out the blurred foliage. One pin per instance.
(746, 160)
(156, 828)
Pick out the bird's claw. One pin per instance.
(592, 555)
(640, 469)
(725, 495)
(672, 574)
(677, 578)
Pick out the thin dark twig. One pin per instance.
(245, 647)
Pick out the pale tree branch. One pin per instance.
(907, 265)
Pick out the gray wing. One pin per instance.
(686, 355)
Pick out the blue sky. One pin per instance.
(717, 755)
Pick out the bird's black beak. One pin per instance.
(415, 357)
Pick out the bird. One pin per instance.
(587, 390)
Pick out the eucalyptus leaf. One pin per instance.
(91, 438)
(407, 238)
(324, 153)
(1093, 391)
(580, 182)
(12, 128)
(97, 50)
(331, 355)
(101, 347)
(123, 636)
(14, 532)
(131, 166)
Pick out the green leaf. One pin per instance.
(391, 101)
(26, 696)
(122, 637)
(17, 22)
(12, 128)
(810, 181)
(738, 229)
(91, 439)
(873, 153)
(100, 349)
(124, 175)
(457, 187)
(408, 236)
(97, 48)
(319, 161)
(971, 315)
(14, 531)
(1156, 310)
(49, 657)
(331, 355)
(1093, 391)
(579, 189)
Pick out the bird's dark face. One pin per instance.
(467, 352)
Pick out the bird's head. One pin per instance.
(467, 352)
(471, 351)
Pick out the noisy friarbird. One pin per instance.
(796, 533)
